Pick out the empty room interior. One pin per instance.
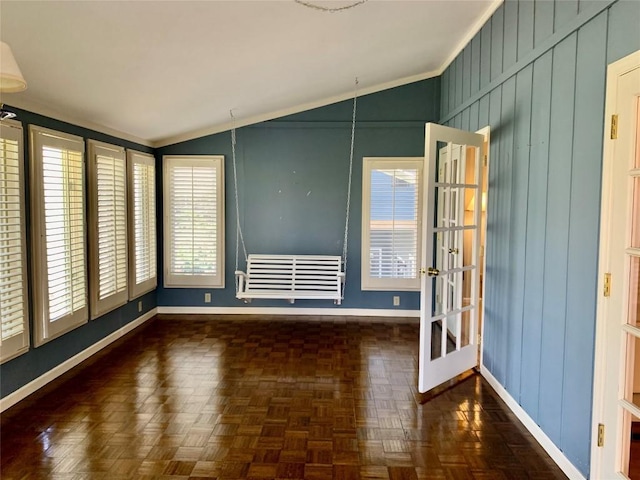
(350, 239)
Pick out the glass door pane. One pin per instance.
(630, 403)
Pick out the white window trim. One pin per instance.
(138, 289)
(100, 306)
(388, 284)
(44, 329)
(194, 281)
(18, 344)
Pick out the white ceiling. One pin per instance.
(163, 71)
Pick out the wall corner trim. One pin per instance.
(545, 442)
(34, 385)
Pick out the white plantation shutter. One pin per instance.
(392, 209)
(194, 221)
(107, 227)
(142, 223)
(14, 337)
(57, 165)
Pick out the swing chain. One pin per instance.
(239, 236)
(346, 223)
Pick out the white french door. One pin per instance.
(451, 228)
(617, 364)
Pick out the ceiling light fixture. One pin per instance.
(6, 114)
(330, 9)
(11, 79)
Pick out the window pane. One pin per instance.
(58, 216)
(635, 213)
(637, 150)
(112, 239)
(14, 335)
(11, 253)
(193, 220)
(144, 221)
(634, 292)
(64, 230)
(393, 227)
(194, 225)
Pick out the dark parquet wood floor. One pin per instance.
(264, 399)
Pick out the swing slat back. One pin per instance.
(291, 277)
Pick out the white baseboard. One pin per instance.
(388, 315)
(23, 392)
(554, 452)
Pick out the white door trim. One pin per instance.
(486, 133)
(614, 71)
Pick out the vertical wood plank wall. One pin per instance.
(535, 73)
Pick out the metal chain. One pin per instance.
(330, 9)
(346, 223)
(239, 236)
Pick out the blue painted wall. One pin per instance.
(292, 182)
(21, 370)
(536, 74)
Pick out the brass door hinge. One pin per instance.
(600, 435)
(614, 127)
(607, 285)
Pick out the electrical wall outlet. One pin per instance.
(207, 297)
(396, 301)
(139, 305)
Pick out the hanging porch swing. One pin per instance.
(292, 277)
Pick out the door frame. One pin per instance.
(486, 132)
(601, 370)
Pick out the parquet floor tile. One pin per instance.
(271, 398)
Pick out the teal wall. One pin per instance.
(536, 74)
(21, 370)
(292, 183)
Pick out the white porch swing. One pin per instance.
(292, 277)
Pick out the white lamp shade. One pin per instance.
(11, 79)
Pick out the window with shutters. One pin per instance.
(14, 311)
(141, 174)
(108, 276)
(58, 232)
(193, 221)
(391, 223)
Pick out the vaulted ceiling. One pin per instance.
(158, 72)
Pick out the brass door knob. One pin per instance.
(433, 272)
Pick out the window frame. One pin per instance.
(170, 279)
(100, 306)
(137, 289)
(18, 344)
(389, 283)
(46, 330)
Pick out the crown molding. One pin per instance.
(39, 108)
(244, 122)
